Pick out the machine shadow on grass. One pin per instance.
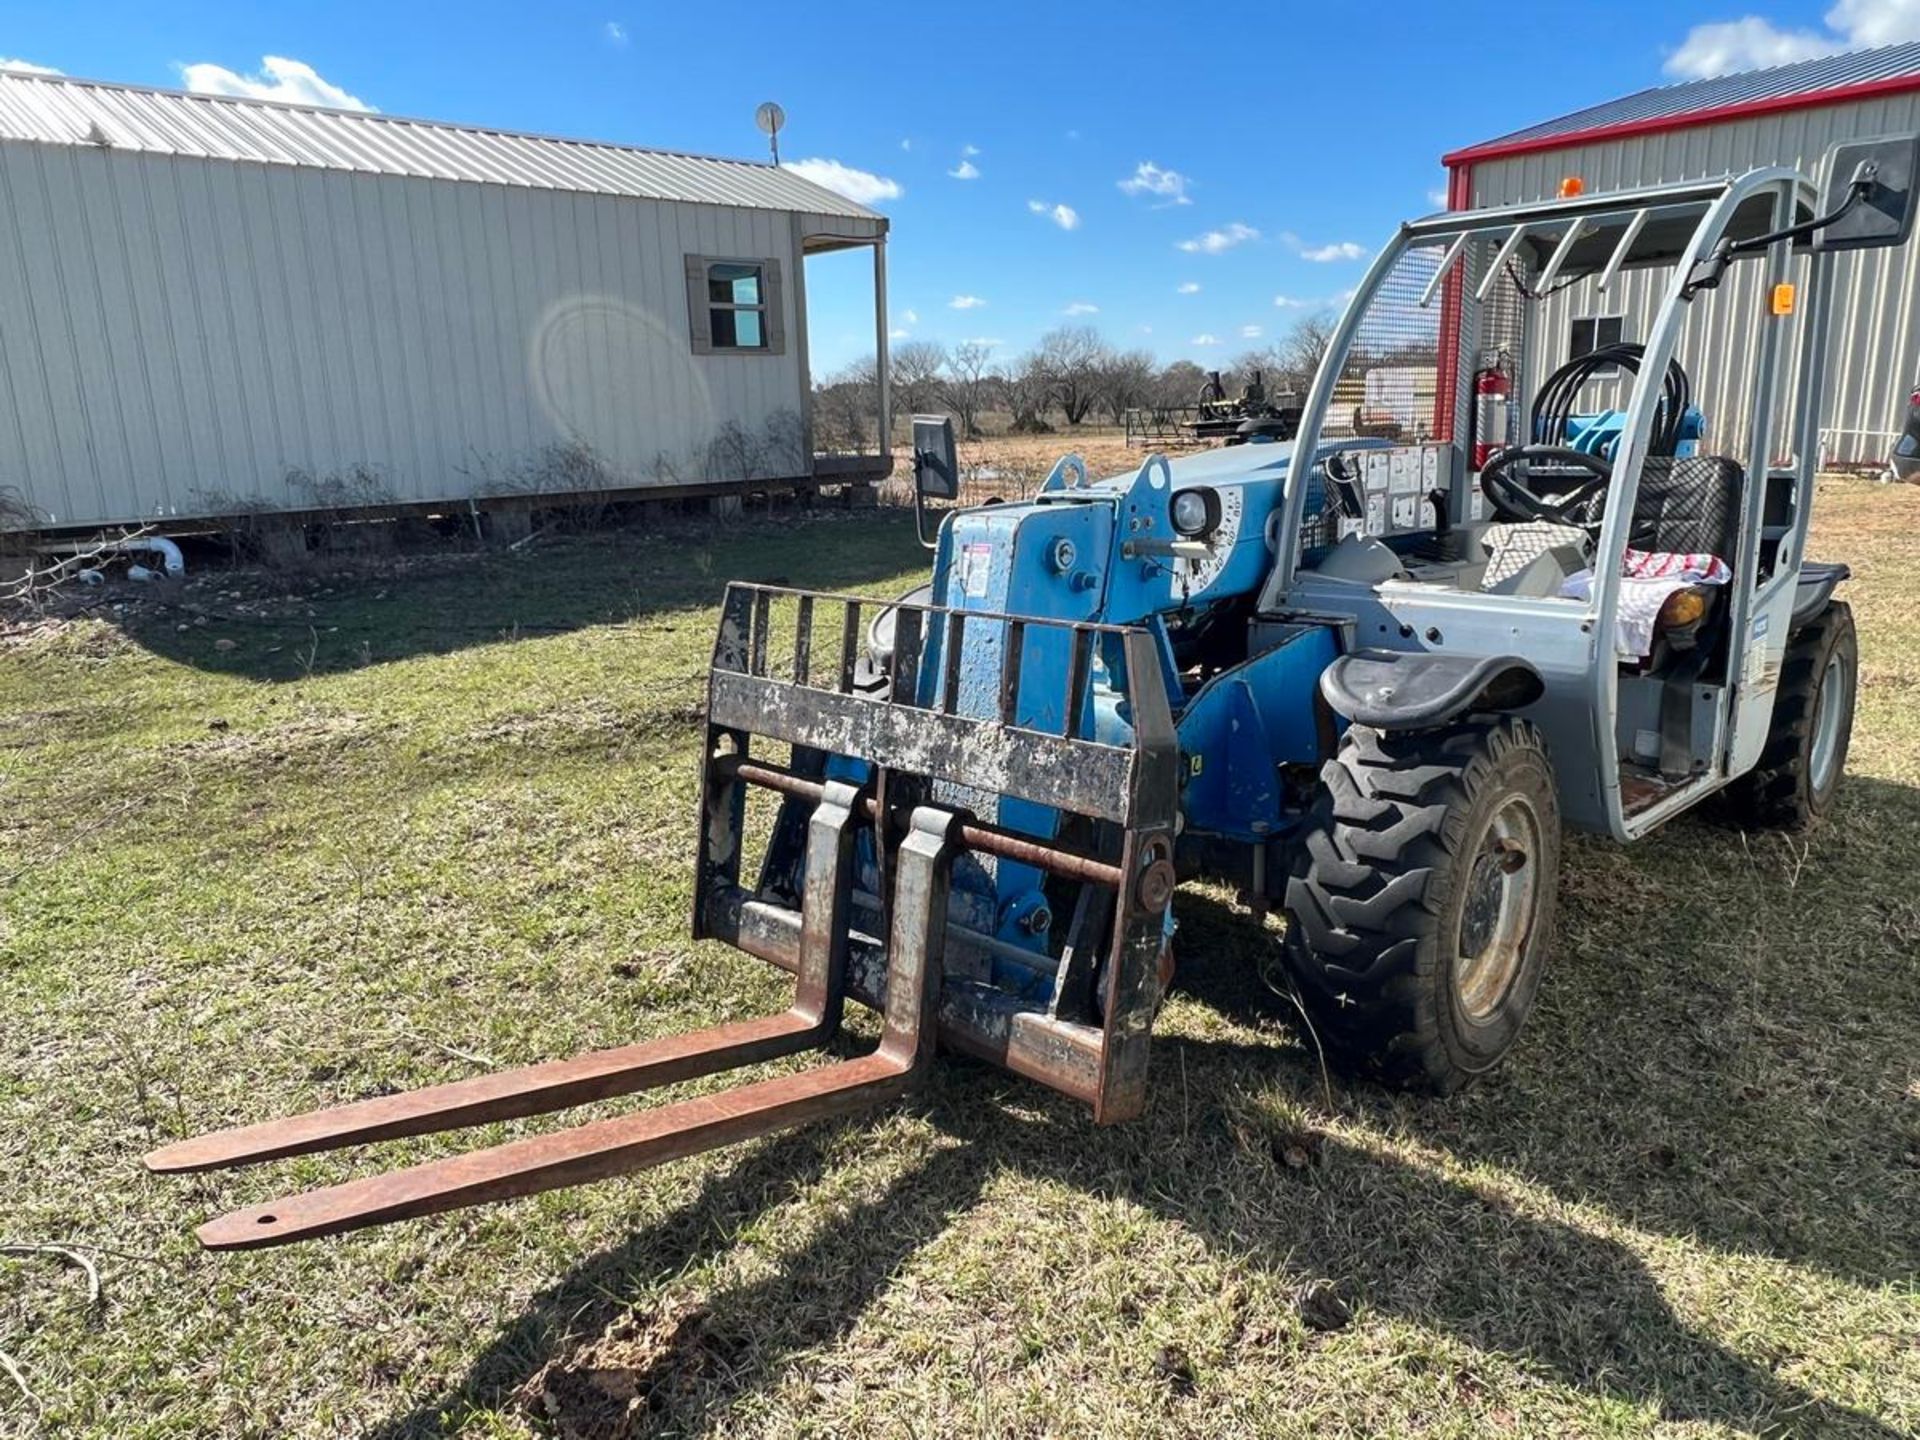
(1608, 1063)
(293, 626)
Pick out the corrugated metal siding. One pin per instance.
(1876, 338)
(62, 111)
(179, 336)
(1827, 72)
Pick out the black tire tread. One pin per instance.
(1368, 886)
(1777, 793)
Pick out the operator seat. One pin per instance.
(1689, 506)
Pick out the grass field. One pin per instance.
(285, 842)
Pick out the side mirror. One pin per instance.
(936, 463)
(936, 468)
(1885, 170)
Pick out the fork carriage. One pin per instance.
(929, 728)
(872, 792)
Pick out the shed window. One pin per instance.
(1593, 332)
(734, 305)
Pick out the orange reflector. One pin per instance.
(1682, 607)
(1783, 297)
(1571, 186)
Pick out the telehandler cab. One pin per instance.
(1365, 676)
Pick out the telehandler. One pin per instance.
(1364, 677)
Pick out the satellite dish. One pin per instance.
(770, 117)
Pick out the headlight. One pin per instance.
(1194, 512)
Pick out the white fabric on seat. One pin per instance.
(1648, 577)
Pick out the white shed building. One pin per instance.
(1788, 115)
(212, 307)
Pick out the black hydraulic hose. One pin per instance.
(1554, 406)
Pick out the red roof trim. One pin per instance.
(1656, 124)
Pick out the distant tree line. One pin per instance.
(1073, 375)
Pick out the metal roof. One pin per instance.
(59, 110)
(1828, 78)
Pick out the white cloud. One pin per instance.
(988, 341)
(1081, 307)
(965, 170)
(279, 79)
(1749, 43)
(899, 334)
(1438, 197)
(1294, 302)
(1065, 216)
(969, 150)
(860, 186)
(912, 317)
(907, 144)
(27, 67)
(1215, 241)
(1187, 287)
(1322, 254)
(1876, 22)
(1251, 332)
(615, 32)
(965, 302)
(1146, 329)
(1204, 340)
(1752, 42)
(1149, 179)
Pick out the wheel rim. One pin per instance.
(1827, 724)
(1503, 893)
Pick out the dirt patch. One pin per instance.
(608, 1389)
(304, 735)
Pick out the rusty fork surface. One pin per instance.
(648, 1137)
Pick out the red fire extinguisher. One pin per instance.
(1492, 391)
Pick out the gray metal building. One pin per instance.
(212, 306)
(1788, 115)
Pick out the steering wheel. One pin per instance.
(1513, 500)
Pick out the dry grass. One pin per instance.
(383, 841)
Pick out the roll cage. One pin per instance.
(1681, 226)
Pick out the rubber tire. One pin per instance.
(1376, 890)
(1779, 793)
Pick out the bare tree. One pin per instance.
(1178, 384)
(1126, 380)
(915, 369)
(846, 409)
(968, 384)
(1074, 358)
(1299, 354)
(1028, 386)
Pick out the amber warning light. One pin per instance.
(1572, 186)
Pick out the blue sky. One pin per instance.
(1005, 141)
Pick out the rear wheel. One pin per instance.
(1806, 750)
(1421, 900)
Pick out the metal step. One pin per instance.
(650, 1137)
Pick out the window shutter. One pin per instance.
(776, 308)
(697, 317)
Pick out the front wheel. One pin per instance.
(1420, 901)
(1806, 750)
